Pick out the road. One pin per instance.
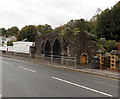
(24, 79)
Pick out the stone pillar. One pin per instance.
(101, 56)
(115, 60)
(32, 51)
(118, 46)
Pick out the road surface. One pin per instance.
(24, 79)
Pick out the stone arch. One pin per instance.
(42, 48)
(84, 58)
(47, 49)
(56, 48)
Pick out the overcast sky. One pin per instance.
(53, 12)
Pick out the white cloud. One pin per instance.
(54, 12)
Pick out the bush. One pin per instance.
(10, 43)
(110, 45)
(105, 45)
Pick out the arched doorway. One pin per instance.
(47, 49)
(56, 48)
(83, 59)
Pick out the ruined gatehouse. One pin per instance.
(79, 46)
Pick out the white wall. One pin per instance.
(22, 44)
(21, 47)
(3, 42)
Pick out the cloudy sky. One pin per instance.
(53, 12)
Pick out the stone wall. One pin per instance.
(72, 46)
(15, 54)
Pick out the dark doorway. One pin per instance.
(47, 49)
(56, 48)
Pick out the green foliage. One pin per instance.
(63, 33)
(13, 31)
(110, 45)
(59, 29)
(10, 43)
(108, 25)
(105, 45)
(82, 25)
(92, 36)
(115, 22)
(44, 29)
(3, 32)
(28, 33)
(92, 27)
(66, 32)
(103, 25)
(76, 31)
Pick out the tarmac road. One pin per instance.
(24, 79)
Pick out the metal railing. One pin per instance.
(58, 60)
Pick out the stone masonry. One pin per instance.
(79, 46)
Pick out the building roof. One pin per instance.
(3, 38)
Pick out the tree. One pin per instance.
(93, 22)
(3, 32)
(13, 31)
(44, 29)
(115, 22)
(106, 45)
(108, 23)
(103, 25)
(110, 45)
(28, 33)
(95, 17)
(81, 24)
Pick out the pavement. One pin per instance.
(103, 73)
(84, 69)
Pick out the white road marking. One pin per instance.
(101, 83)
(6, 63)
(27, 69)
(82, 86)
(0, 95)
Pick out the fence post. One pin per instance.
(7, 51)
(75, 64)
(62, 60)
(51, 58)
(42, 56)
